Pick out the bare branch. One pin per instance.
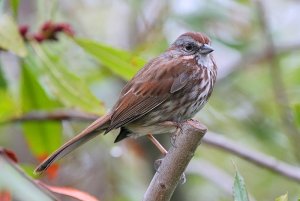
(57, 115)
(175, 162)
(260, 159)
(214, 174)
(256, 55)
(212, 139)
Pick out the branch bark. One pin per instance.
(57, 115)
(260, 159)
(175, 162)
(210, 172)
(255, 56)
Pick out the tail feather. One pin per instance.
(87, 134)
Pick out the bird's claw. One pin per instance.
(174, 136)
(182, 179)
(157, 163)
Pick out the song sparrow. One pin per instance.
(169, 89)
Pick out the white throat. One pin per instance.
(205, 61)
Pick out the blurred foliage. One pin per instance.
(282, 198)
(16, 182)
(43, 137)
(239, 188)
(120, 62)
(112, 41)
(15, 6)
(63, 84)
(10, 38)
(3, 83)
(297, 113)
(8, 106)
(23, 187)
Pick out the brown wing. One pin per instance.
(153, 85)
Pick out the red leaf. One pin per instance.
(38, 37)
(23, 29)
(10, 154)
(47, 26)
(52, 171)
(5, 196)
(72, 192)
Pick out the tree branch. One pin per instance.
(175, 162)
(210, 172)
(211, 139)
(255, 56)
(260, 159)
(57, 115)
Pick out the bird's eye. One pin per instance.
(189, 47)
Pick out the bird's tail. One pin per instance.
(87, 134)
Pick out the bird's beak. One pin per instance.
(206, 49)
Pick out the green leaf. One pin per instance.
(2, 5)
(297, 113)
(120, 62)
(66, 86)
(22, 187)
(10, 38)
(282, 198)
(14, 4)
(3, 83)
(42, 137)
(239, 188)
(8, 107)
(244, 1)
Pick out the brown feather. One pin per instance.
(201, 38)
(87, 134)
(145, 91)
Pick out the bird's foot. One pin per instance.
(182, 179)
(157, 163)
(176, 133)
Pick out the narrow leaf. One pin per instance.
(43, 137)
(3, 83)
(297, 113)
(66, 86)
(18, 184)
(10, 38)
(14, 4)
(120, 62)
(282, 198)
(239, 188)
(9, 154)
(80, 195)
(8, 107)
(5, 195)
